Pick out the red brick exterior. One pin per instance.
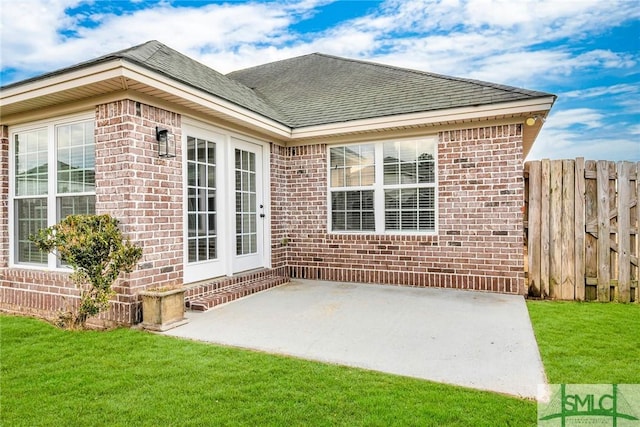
(279, 208)
(479, 244)
(135, 186)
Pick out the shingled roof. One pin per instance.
(160, 58)
(319, 89)
(316, 89)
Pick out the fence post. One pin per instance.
(555, 231)
(604, 234)
(624, 226)
(534, 229)
(545, 246)
(568, 281)
(579, 229)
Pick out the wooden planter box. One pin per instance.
(162, 309)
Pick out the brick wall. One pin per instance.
(479, 244)
(135, 186)
(279, 208)
(140, 189)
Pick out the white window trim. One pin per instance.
(378, 190)
(51, 196)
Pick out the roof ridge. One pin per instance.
(120, 53)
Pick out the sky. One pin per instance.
(587, 52)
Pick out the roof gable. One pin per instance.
(318, 89)
(160, 58)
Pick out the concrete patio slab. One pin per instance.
(473, 339)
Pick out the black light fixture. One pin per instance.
(166, 144)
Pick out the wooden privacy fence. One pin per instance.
(581, 225)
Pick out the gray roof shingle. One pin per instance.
(316, 89)
(160, 58)
(319, 89)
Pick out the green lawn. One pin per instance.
(128, 377)
(588, 343)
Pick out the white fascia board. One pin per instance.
(197, 96)
(61, 82)
(125, 70)
(426, 118)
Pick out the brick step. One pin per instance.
(233, 292)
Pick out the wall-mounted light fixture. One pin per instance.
(166, 144)
(530, 121)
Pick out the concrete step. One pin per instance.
(233, 292)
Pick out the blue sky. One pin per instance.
(585, 51)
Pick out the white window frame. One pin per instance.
(378, 188)
(52, 191)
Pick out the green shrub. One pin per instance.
(93, 246)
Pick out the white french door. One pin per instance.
(248, 201)
(224, 205)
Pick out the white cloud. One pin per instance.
(530, 43)
(598, 91)
(195, 31)
(586, 117)
(569, 145)
(634, 129)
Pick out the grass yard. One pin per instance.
(52, 377)
(588, 343)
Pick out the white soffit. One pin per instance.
(428, 118)
(121, 75)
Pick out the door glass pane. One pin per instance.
(201, 204)
(246, 209)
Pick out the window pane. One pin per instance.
(337, 177)
(211, 176)
(428, 220)
(352, 166)
(427, 198)
(426, 172)
(201, 150)
(193, 253)
(31, 216)
(367, 175)
(31, 163)
(352, 211)
(191, 149)
(392, 220)
(391, 174)
(76, 205)
(409, 220)
(338, 221)
(75, 156)
(211, 152)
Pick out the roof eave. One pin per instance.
(540, 106)
(128, 75)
